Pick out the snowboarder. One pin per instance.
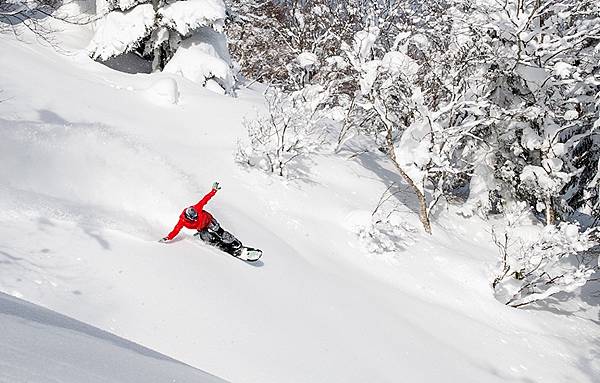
(209, 230)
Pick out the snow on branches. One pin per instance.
(130, 26)
(492, 103)
(283, 42)
(189, 15)
(18, 16)
(541, 84)
(156, 29)
(204, 59)
(559, 260)
(285, 136)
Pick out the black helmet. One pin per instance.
(191, 213)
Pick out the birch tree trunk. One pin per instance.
(423, 213)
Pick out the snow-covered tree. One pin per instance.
(287, 134)
(388, 100)
(285, 42)
(157, 29)
(540, 89)
(496, 98)
(404, 103)
(559, 260)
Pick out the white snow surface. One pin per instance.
(92, 173)
(39, 345)
(164, 91)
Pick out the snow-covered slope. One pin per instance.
(95, 167)
(39, 345)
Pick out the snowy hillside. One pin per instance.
(95, 167)
(39, 345)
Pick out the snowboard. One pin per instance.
(249, 254)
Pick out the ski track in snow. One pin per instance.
(90, 181)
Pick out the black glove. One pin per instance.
(163, 240)
(216, 186)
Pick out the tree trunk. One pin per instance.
(157, 60)
(550, 213)
(423, 213)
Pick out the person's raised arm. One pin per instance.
(207, 197)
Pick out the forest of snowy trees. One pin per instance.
(490, 105)
(499, 95)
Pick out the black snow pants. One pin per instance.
(214, 235)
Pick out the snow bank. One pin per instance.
(120, 32)
(202, 57)
(163, 92)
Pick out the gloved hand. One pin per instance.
(216, 186)
(163, 240)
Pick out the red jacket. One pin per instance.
(203, 220)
